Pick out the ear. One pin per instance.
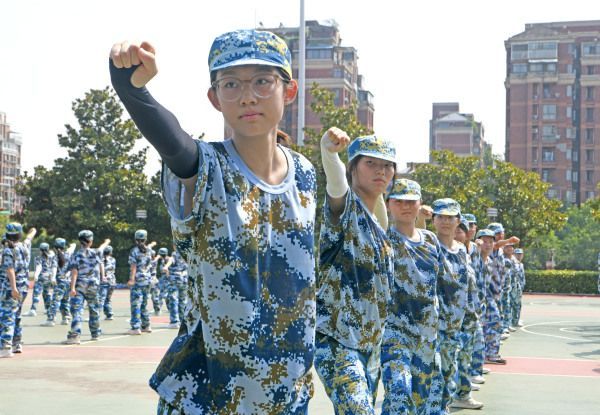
(213, 98)
(291, 91)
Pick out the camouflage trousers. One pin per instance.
(492, 329)
(11, 331)
(176, 301)
(505, 308)
(516, 295)
(478, 346)
(85, 292)
(448, 346)
(105, 299)
(350, 377)
(42, 288)
(60, 300)
(410, 367)
(138, 298)
(164, 408)
(465, 354)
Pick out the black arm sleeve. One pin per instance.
(177, 149)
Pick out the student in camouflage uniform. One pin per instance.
(410, 364)
(355, 271)
(517, 298)
(469, 329)
(45, 273)
(140, 277)
(162, 288)
(38, 289)
(108, 284)
(14, 270)
(452, 295)
(86, 273)
(177, 288)
(243, 214)
(492, 324)
(60, 297)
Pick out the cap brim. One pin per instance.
(405, 197)
(245, 62)
(446, 212)
(375, 156)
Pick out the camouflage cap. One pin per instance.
(163, 251)
(44, 246)
(470, 217)
(464, 224)
(13, 228)
(447, 206)
(485, 232)
(518, 251)
(405, 189)
(249, 47)
(60, 243)
(108, 250)
(86, 234)
(496, 227)
(141, 235)
(372, 146)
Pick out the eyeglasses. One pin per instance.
(230, 88)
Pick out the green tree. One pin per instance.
(100, 184)
(519, 196)
(579, 240)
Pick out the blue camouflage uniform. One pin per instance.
(478, 355)
(410, 364)
(507, 287)
(353, 292)
(163, 280)
(107, 286)
(452, 293)
(60, 297)
(246, 344)
(17, 259)
(494, 272)
(177, 288)
(46, 280)
(87, 262)
(516, 293)
(140, 291)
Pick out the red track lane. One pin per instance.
(548, 366)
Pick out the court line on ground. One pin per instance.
(524, 328)
(546, 375)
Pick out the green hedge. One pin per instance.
(562, 281)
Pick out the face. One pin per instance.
(508, 250)
(519, 257)
(460, 235)
(488, 244)
(445, 225)
(250, 115)
(372, 175)
(472, 230)
(404, 211)
(499, 236)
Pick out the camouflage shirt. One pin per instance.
(18, 259)
(354, 276)
(143, 265)
(48, 266)
(418, 266)
(246, 344)
(87, 263)
(110, 266)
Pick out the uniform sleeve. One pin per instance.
(132, 257)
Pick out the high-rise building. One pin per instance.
(330, 65)
(449, 129)
(553, 105)
(10, 167)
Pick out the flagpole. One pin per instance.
(301, 75)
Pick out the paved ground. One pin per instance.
(554, 366)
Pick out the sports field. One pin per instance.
(553, 365)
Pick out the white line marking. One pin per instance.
(524, 328)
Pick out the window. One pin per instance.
(589, 135)
(589, 176)
(542, 50)
(568, 175)
(519, 68)
(590, 49)
(549, 132)
(575, 177)
(534, 155)
(589, 93)
(549, 112)
(318, 54)
(569, 90)
(575, 155)
(547, 174)
(534, 133)
(589, 114)
(547, 154)
(590, 69)
(535, 90)
(518, 51)
(547, 91)
(570, 132)
(589, 156)
(338, 73)
(569, 111)
(570, 68)
(589, 194)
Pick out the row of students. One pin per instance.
(385, 303)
